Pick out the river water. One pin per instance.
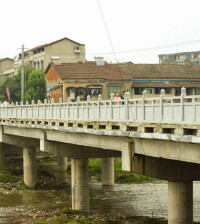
(145, 199)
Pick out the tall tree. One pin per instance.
(35, 86)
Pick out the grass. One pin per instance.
(121, 176)
(10, 172)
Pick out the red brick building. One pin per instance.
(86, 79)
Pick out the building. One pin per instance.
(68, 51)
(171, 78)
(182, 58)
(6, 68)
(82, 79)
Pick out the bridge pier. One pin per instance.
(29, 162)
(180, 202)
(80, 190)
(61, 172)
(1, 154)
(107, 171)
(61, 163)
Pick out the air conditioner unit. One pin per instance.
(77, 49)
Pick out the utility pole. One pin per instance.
(22, 75)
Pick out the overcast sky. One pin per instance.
(132, 25)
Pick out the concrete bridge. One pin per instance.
(157, 137)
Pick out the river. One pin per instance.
(147, 199)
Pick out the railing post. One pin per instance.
(127, 97)
(194, 109)
(38, 109)
(12, 109)
(111, 106)
(21, 106)
(143, 104)
(162, 94)
(60, 102)
(26, 109)
(77, 107)
(32, 108)
(45, 102)
(17, 109)
(68, 109)
(183, 93)
(52, 104)
(99, 105)
(88, 112)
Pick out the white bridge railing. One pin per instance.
(162, 109)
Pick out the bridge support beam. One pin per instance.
(1, 154)
(80, 190)
(29, 160)
(180, 202)
(107, 171)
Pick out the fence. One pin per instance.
(163, 109)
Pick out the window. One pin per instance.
(149, 91)
(189, 91)
(42, 64)
(35, 65)
(197, 91)
(138, 91)
(115, 88)
(94, 90)
(168, 90)
(188, 56)
(81, 92)
(172, 57)
(180, 63)
(195, 62)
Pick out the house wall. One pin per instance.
(56, 94)
(86, 83)
(5, 65)
(63, 48)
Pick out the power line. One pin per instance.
(150, 48)
(113, 52)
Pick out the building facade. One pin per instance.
(73, 80)
(154, 77)
(68, 51)
(181, 58)
(6, 68)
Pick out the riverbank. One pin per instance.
(11, 174)
(123, 177)
(70, 216)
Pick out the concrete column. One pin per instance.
(180, 202)
(29, 158)
(61, 163)
(80, 191)
(61, 170)
(1, 154)
(107, 171)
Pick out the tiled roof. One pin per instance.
(45, 45)
(160, 71)
(90, 70)
(2, 59)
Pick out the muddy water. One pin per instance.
(135, 199)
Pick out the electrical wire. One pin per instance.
(149, 49)
(113, 51)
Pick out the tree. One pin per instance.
(35, 86)
(34, 83)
